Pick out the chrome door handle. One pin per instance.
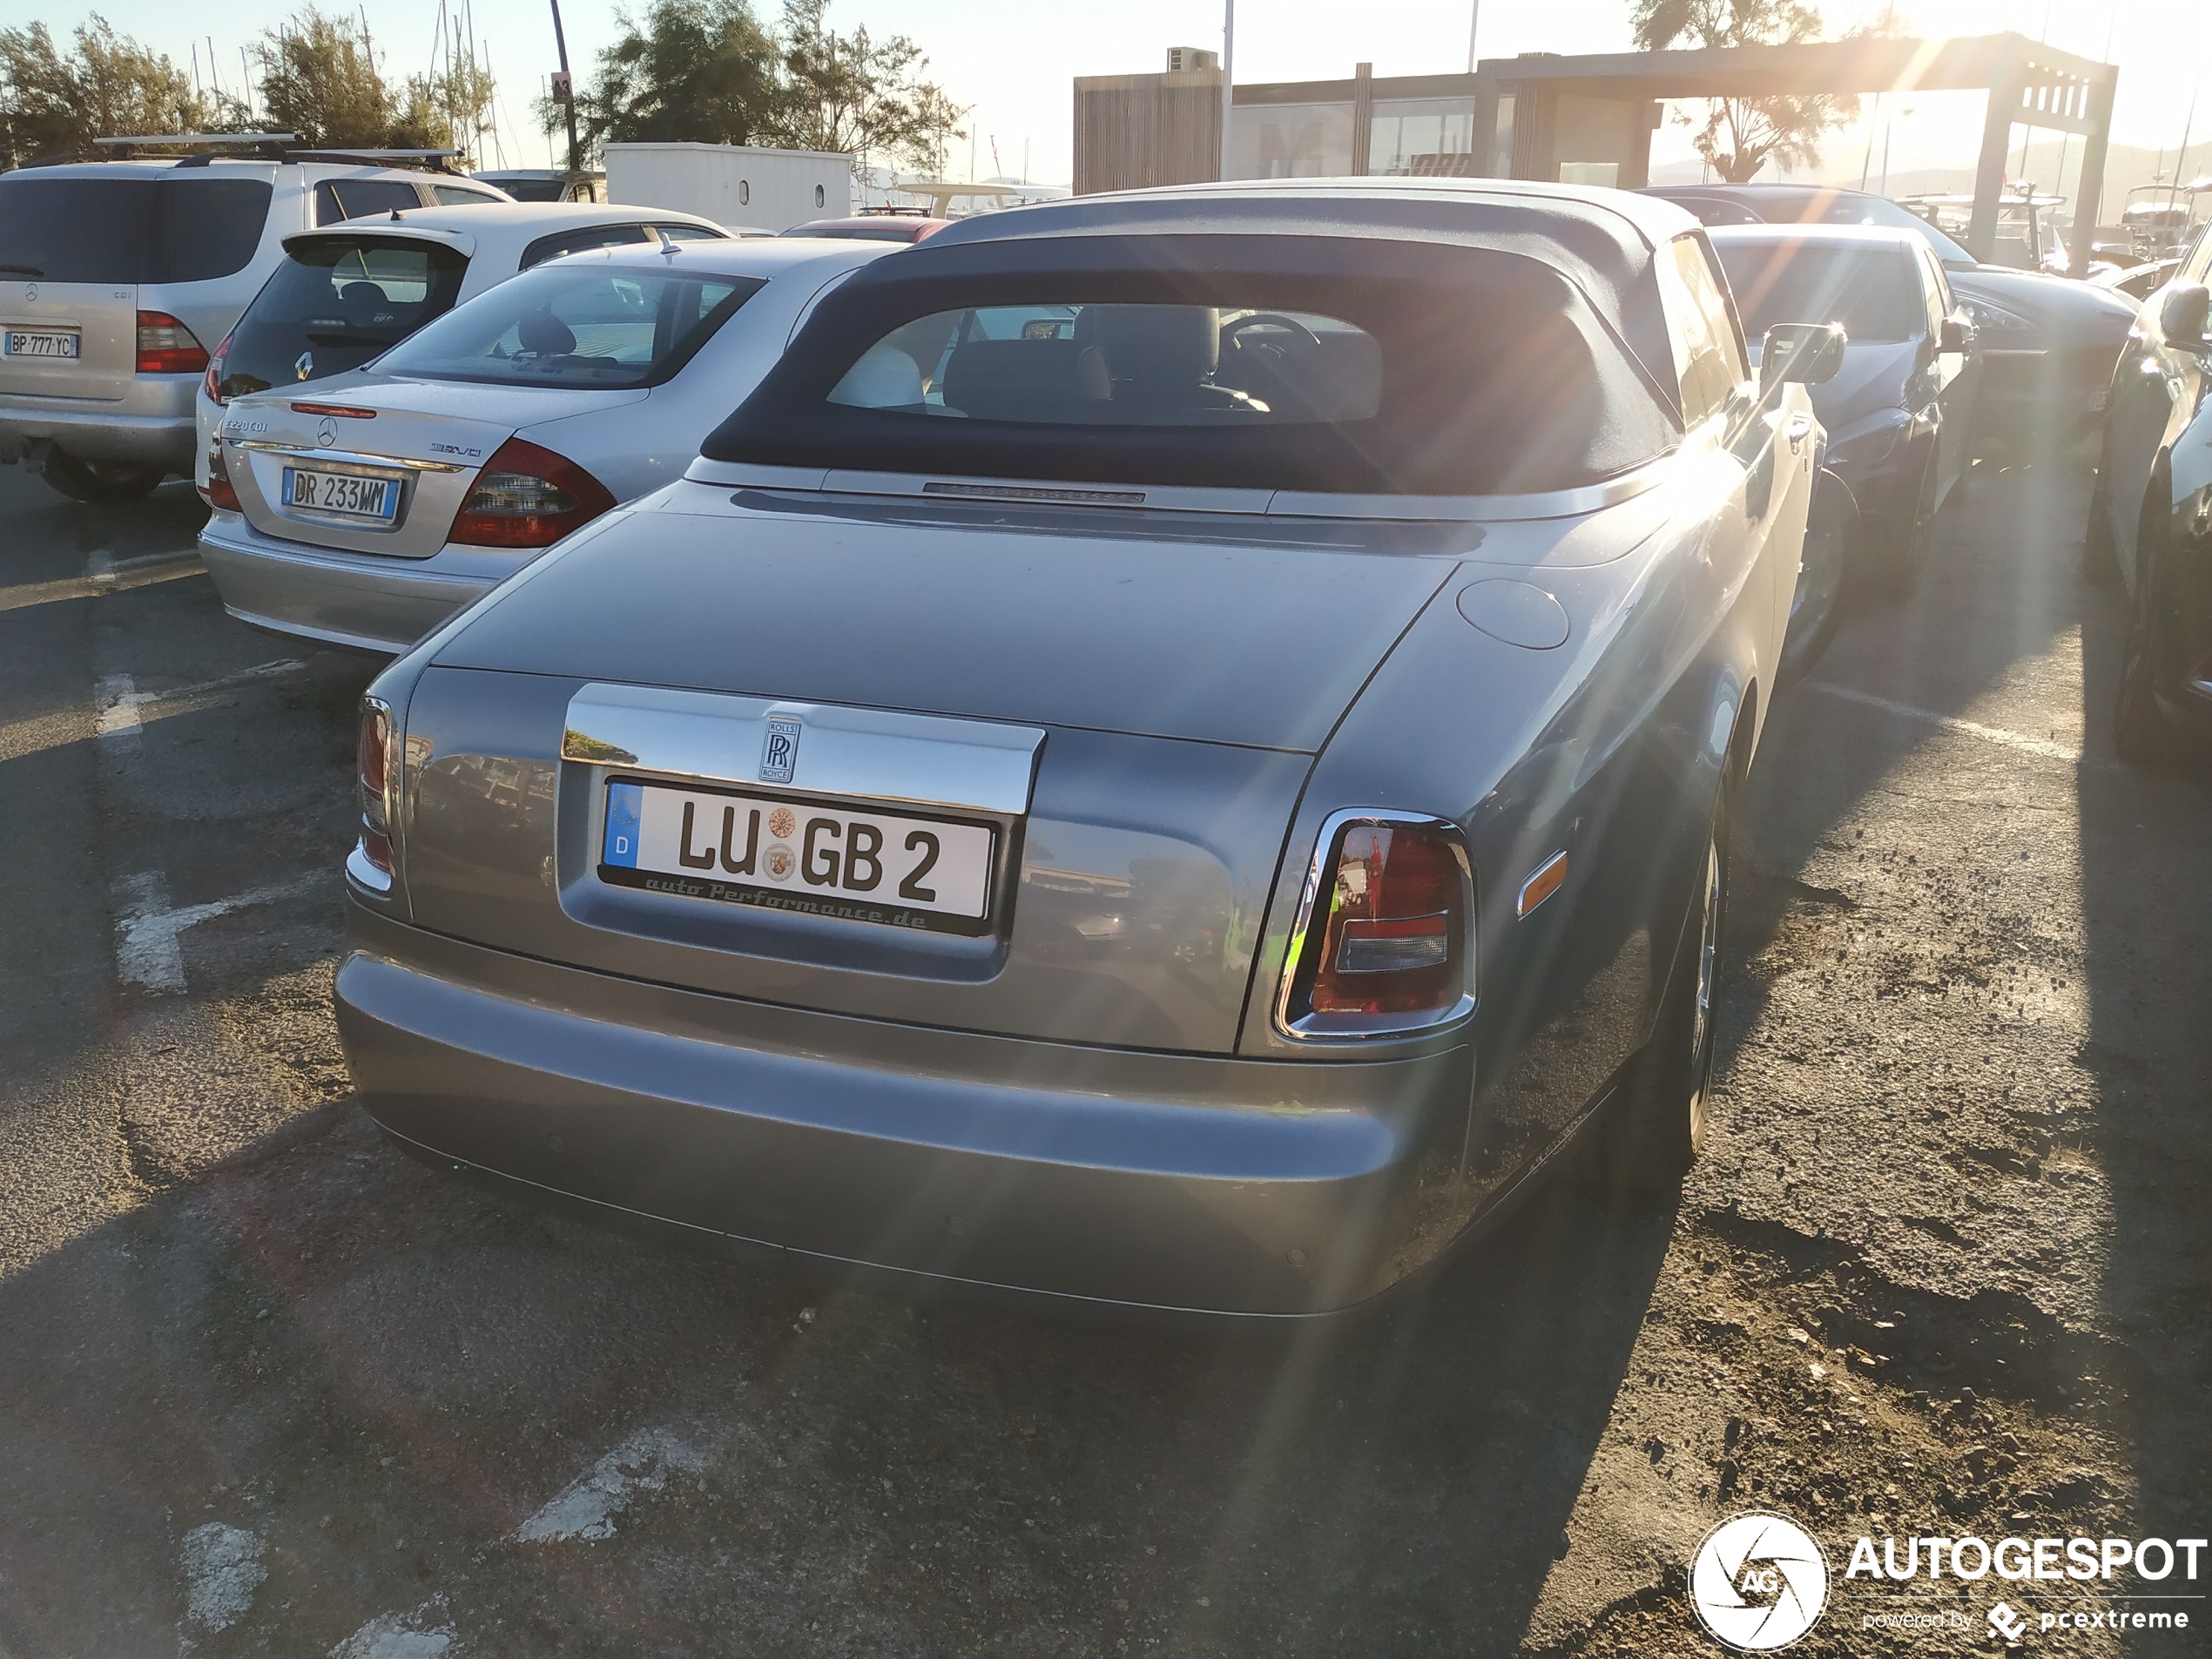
(1797, 431)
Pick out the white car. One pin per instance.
(116, 276)
(367, 513)
(343, 295)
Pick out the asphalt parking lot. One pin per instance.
(267, 1387)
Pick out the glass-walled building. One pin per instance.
(1133, 131)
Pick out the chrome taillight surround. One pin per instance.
(1309, 930)
(370, 862)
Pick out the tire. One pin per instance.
(99, 481)
(1816, 607)
(2100, 568)
(1665, 1125)
(2141, 731)
(1893, 569)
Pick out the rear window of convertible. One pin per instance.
(1362, 367)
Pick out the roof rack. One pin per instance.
(201, 141)
(273, 147)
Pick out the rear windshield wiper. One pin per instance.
(24, 270)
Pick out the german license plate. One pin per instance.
(42, 342)
(813, 858)
(348, 494)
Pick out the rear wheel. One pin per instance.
(1664, 1126)
(99, 481)
(1893, 567)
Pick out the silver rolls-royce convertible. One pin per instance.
(1176, 750)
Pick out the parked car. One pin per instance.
(874, 227)
(367, 513)
(1144, 694)
(2150, 516)
(2136, 282)
(2046, 344)
(1900, 411)
(547, 184)
(342, 295)
(116, 276)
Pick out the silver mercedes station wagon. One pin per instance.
(1175, 750)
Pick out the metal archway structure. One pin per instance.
(1610, 103)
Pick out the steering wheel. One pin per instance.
(1270, 319)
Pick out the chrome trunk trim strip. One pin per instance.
(855, 753)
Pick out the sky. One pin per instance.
(1014, 60)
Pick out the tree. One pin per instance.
(445, 108)
(696, 70)
(853, 93)
(106, 85)
(1740, 135)
(319, 81)
(706, 71)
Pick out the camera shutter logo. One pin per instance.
(1758, 1582)
(779, 751)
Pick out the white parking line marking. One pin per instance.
(120, 698)
(2019, 740)
(398, 1635)
(119, 718)
(588, 1507)
(148, 948)
(102, 569)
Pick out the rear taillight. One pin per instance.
(211, 382)
(220, 491)
(166, 347)
(1384, 936)
(528, 496)
(373, 777)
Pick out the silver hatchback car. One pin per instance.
(1176, 750)
(117, 279)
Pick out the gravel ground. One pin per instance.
(267, 1387)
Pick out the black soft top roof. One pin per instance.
(1601, 240)
(1502, 371)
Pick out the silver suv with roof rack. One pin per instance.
(117, 277)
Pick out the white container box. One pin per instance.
(741, 187)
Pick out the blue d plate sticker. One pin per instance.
(624, 803)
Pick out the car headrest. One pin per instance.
(1025, 380)
(544, 334)
(1166, 349)
(885, 378)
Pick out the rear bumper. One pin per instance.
(152, 423)
(363, 601)
(2036, 401)
(1186, 1182)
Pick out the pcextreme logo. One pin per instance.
(1758, 1582)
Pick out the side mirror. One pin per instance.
(1807, 353)
(1957, 334)
(2183, 313)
